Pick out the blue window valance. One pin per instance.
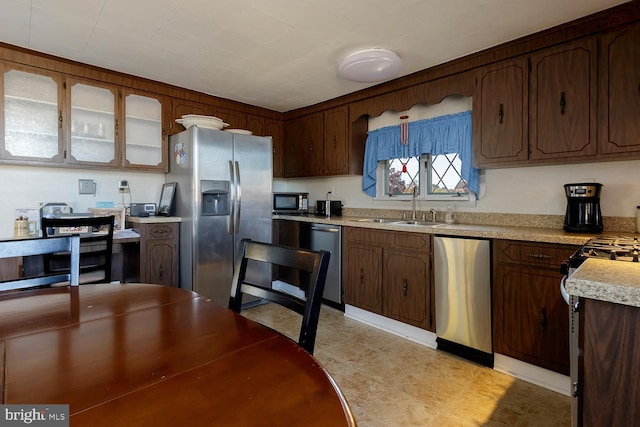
(439, 135)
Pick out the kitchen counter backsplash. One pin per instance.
(611, 224)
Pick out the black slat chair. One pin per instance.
(70, 245)
(315, 263)
(95, 247)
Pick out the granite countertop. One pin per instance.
(617, 282)
(532, 234)
(153, 219)
(601, 279)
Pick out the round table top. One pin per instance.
(141, 355)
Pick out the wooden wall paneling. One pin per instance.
(236, 119)
(376, 105)
(431, 92)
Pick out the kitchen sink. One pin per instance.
(399, 222)
(377, 220)
(418, 223)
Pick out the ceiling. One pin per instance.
(277, 54)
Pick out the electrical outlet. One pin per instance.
(332, 190)
(123, 186)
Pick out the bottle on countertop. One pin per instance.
(449, 217)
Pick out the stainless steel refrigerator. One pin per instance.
(223, 194)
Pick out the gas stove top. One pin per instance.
(617, 248)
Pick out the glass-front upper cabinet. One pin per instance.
(31, 117)
(145, 138)
(93, 123)
(46, 118)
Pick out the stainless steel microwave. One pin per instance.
(290, 203)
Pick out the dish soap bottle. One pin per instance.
(448, 217)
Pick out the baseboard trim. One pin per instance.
(533, 374)
(420, 336)
(501, 363)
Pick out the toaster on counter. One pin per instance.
(335, 208)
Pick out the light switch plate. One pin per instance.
(86, 186)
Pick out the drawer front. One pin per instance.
(416, 241)
(162, 231)
(530, 253)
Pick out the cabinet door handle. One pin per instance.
(501, 113)
(543, 319)
(540, 256)
(361, 276)
(160, 272)
(405, 287)
(563, 102)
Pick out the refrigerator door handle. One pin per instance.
(238, 196)
(232, 207)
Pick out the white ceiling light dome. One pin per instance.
(370, 65)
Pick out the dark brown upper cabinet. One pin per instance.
(325, 143)
(619, 92)
(500, 114)
(537, 109)
(562, 107)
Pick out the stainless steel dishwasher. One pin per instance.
(326, 237)
(462, 276)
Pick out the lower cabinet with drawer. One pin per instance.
(389, 273)
(159, 252)
(530, 318)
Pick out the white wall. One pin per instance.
(527, 190)
(523, 190)
(27, 186)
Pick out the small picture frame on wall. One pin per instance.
(167, 199)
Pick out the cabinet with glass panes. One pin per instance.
(52, 118)
(31, 115)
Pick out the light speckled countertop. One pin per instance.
(601, 279)
(531, 234)
(153, 219)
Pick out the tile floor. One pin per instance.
(392, 382)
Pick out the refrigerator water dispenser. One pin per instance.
(215, 197)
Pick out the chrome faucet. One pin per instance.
(433, 214)
(413, 204)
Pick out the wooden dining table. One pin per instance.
(150, 355)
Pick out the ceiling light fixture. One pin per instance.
(370, 65)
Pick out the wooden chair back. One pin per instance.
(69, 245)
(96, 245)
(315, 263)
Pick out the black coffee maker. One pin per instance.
(583, 208)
